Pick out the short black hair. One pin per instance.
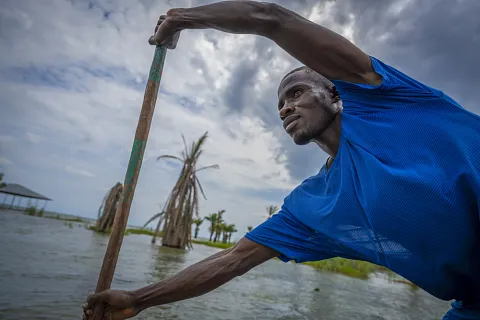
(314, 74)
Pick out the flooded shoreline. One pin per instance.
(48, 269)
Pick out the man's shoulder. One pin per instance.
(314, 181)
(396, 90)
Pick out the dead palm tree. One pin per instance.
(108, 208)
(182, 202)
(197, 222)
(271, 210)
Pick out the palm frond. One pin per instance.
(158, 215)
(201, 188)
(195, 198)
(166, 156)
(185, 145)
(213, 166)
(196, 147)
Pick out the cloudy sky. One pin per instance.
(73, 73)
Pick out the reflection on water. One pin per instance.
(166, 262)
(47, 269)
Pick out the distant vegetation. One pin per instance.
(220, 245)
(58, 217)
(33, 211)
(2, 184)
(129, 231)
(219, 229)
(351, 268)
(140, 231)
(271, 210)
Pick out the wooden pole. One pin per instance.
(131, 177)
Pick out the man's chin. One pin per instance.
(300, 139)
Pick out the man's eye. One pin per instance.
(297, 93)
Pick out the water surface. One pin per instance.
(47, 269)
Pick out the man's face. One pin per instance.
(305, 106)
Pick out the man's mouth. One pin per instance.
(290, 122)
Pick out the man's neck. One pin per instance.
(329, 141)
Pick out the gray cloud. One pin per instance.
(241, 81)
(436, 42)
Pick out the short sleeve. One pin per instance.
(396, 90)
(285, 234)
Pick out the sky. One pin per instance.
(73, 74)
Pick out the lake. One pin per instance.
(48, 268)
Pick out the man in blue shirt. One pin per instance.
(401, 186)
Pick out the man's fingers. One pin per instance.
(93, 299)
(152, 41)
(161, 18)
(86, 314)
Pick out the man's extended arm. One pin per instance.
(317, 47)
(206, 275)
(193, 281)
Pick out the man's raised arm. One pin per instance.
(193, 281)
(317, 47)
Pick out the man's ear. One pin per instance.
(334, 94)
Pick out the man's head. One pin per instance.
(307, 103)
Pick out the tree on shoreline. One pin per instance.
(197, 222)
(213, 222)
(182, 203)
(218, 225)
(108, 208)
(271, 210)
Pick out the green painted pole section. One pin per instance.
(131, 176)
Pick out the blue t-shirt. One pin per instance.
(403, 190)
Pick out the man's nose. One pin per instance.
(286, 110)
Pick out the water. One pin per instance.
(47, 269)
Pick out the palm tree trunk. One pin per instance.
(196, 232)
(175, 230)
